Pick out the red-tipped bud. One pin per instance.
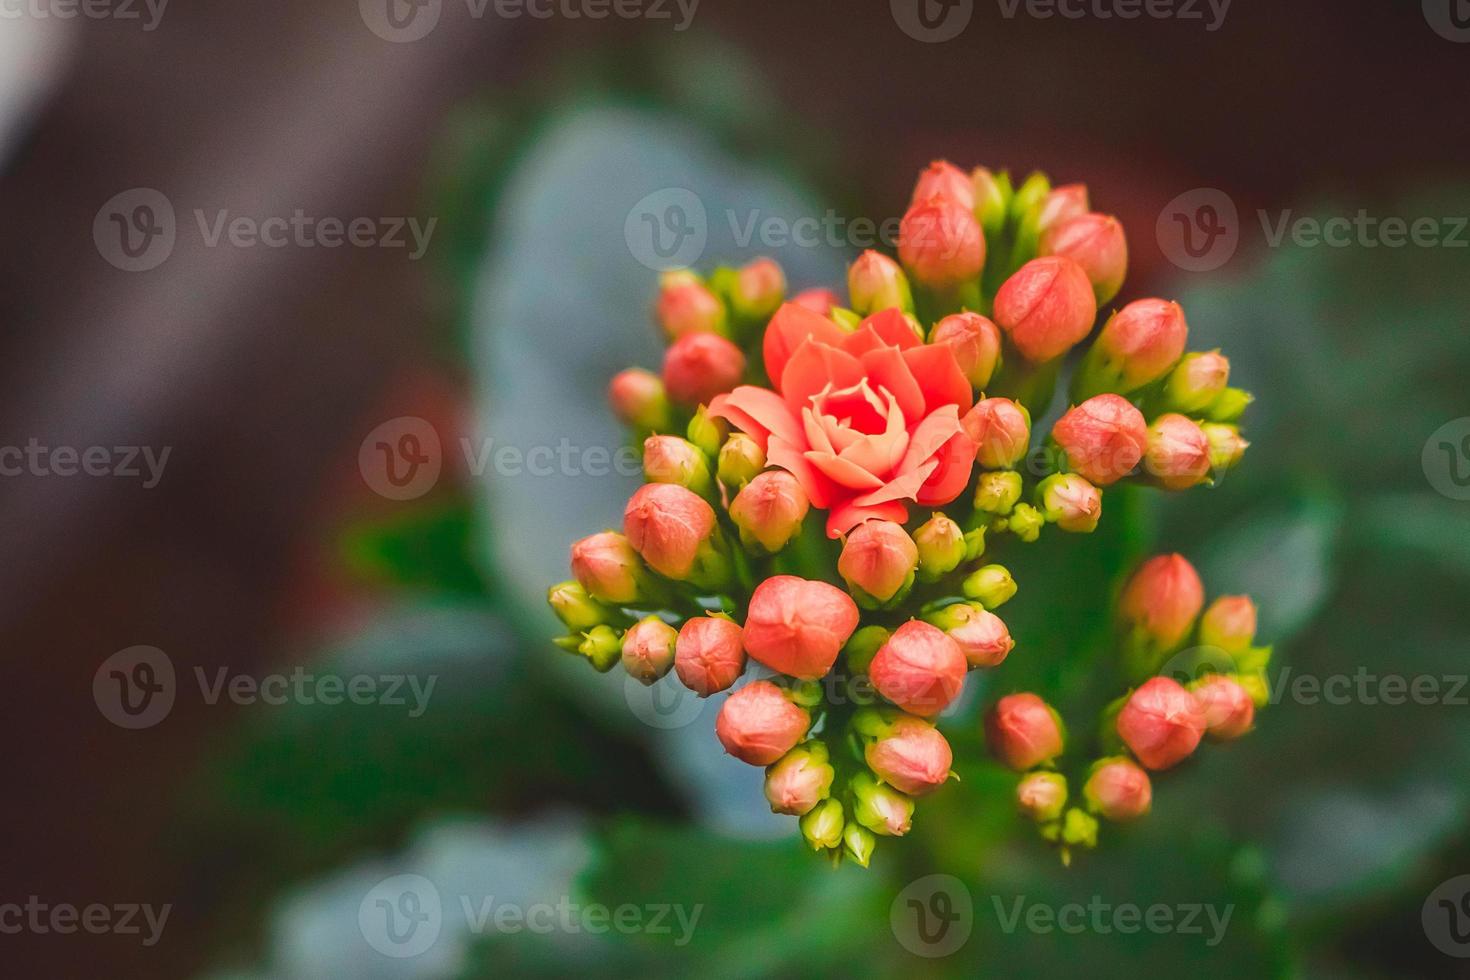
(608, 567)
(648, 649)
(1041, 796)
(975, 342)
(1162, 723)
(769, 511)
(1138, 345)
(941, 245)
(942, 546)
(700, 366)
(1229, 623)
(1023, 732)
(943, 179)
(1226, 445)
(920, 669)
(878, 558)
(797, 627)
(669, 459)
(817, 300)
(708, 655)
(740, 459)
(1103, 438)
(879, 807)
(1001, 431)
(686, 306)
(759, 723)
(1197, 382)
(667, 525)
(1162, 600)
(1046, 307)
(758, 289)
(1070, 502)
(638, 398)
(910, 755)
(991, 585)
(1178, 453)
(1095, 242)
(1118, 789)
(982, 636)
(800, 779)
(1228, 709)
(1061, 205)
(876, 283)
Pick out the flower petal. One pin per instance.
(843, 472)
(956, 458)
(819, 489)
(759, 413)
(930, 436)
(905, 486)
(791, 325)
(886, 328)
(812, 368)
(939, 376)
(887, 368)
(848, 514)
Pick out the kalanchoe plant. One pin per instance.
(827, 486)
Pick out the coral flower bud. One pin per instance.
(1046, 307)
(1103, 438)
(1229, 623)
(944, 179)
(1061, 205)
(1228, 709)
(758, 289)
(648, 649)
(577, 610)
(700, 366)
(1138, 345)
(608, 567)
(991, 585)
(975, 342)
(741, 458)
(1162, 599)
(1095, 242)
(997, 492)
(759, 724)
(992, 200)
(982, 635)
(708, 655)
(1070, 502)
(686, 306)
(920, 669)
(941, 545)
(1023, 732)
(1178, 453)
(941, 245)
(800, 779)
(1226, 445)
(1001, 431)
(876, 283)
(667, 525)
(820, 301)
(878, 558)
(881, 808)
(1041, 796)
(797, 627)
(822, 825)
(1197, 382)
(1118, 789)
(858, 843)
(911, 756)
(1162, 723)
(769, 510)
(669, 459)
(638, 398)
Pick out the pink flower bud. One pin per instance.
(941, 245)
(1162, 723)
(1228, 709)
(1096, 243)
(943, 179)
(911, 756)
(770, 509)
(648, 649)
(983, 637)
(1118, 789)
(1041, 796)
(638, 398)
(608, 567)
(759, 288)
(1178, 453)
(700, 366)
(1046, 307)
(819, 301)
(798, 627)
(1103, 438)
(800, 779)
(920, 669)
(666, 524)
(1070, 502)
(1138, 345)
(1023, 732)
(1001, 431)
(669, 459)
(1197, 382)
(1229, 623)
(708, 655)
(758, 723)
(1162, 599)
(876, 283)
(1062, 204)
(879, 558)
(975, 342)
(686, 306)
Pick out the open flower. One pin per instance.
(867, 422)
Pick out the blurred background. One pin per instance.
(197, 367)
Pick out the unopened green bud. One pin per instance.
(864, 646)
(575, 608)
(822, 825)
(998, 492)
(858, 843)
(603, 646)
(993, 194)
(707, 433)
(1230, 406)
(1196, 382)
(881, 808)
(1025, 522)
(1041, 796)
(941, 544)
(848, 320)
(1226, 445)
(740, 460)
(991, 586)
(974, 543)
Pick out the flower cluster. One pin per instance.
(828, 486)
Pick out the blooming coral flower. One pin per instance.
(867, 422)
